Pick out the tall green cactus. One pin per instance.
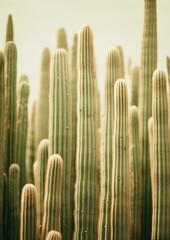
(22, 124)
(28, 224)
(60, 132)
(62, 39)
(10, 79)
(9, 29)
(53, 195)
(112, 74)
(121, 174)
(161, 164)
(134, 86)
(2, 136)
(148, 65)
(5, 209)
(87, 160)
(14, 201)
(54, 235)
(136, 173)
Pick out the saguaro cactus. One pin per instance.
(87, 160)
(54, 235)
(52, 198)
(9, 29)
(121, 174)
(134, 86)
(112, 74)
(5, 209)
(14, 201)
(62, 39)
(148, 65)
(60, 132)
(22, 124)
(28, 226)
(10, 75)
(161, 164)
(122, 67)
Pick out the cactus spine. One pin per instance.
(62, 39)
(54, 235)
(22, 124)
(14, 201)
(10, 75)
(112, 74)
(135, 169)
(148, 65)
(28, 226)
(9, 29)
(121, 175)
(60, 132)
(161, 164)
(87, 161)
(52, 198)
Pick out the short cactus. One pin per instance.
(54, 235)
(9, 29)
(62, 39)
(134, 85)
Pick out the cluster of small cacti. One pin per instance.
(63, 175)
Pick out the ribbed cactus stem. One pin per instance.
(10, 75)
(121, 174)
(112, 74)
(148, 65)
(28, 221)
(136, 173)
(150, 133)
(87, 159)
(22, 124)
(121, 55)
(5, 209)
(161, 164)
(2, 136)
(53, 194)
(54, 235)
(14, 201)
(62, 39)
(134, 85)
(9, 29)
(60, 132)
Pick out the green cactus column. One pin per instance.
(112, 74)
(53, 195)
(150, 133)
(14, 201)
(9, 29)
(54, 235)
(136, 173)
(134, 86)
(148, 65)
(62, 39)
(87, 161)
(60, 132)
(122, 67)
(28, 220)
(161, 163)
(5, 209)
(121, 174)
(10, 79)
(2, 136)
(22, 125)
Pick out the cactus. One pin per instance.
(87, 160)
(60, 132)
(9, 29)
(2, 136)
(122, 67)
(148, 65)
(112, 74)
(43, 100)
(62, 39)
(134, 85)
(22, 124)
(136, 173)
(53, 193)
(161, 165)
(14, 201)
(28, 226)
(10, 80)
(121, 175)
(54, 235)
(5, 210)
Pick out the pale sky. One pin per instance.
(112, 21)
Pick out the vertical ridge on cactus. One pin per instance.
(87, 161)
(62, 39)
(148, 65)
(53, 195)
(14, 201)
(54, 235)
(9, 29)
(161, 164)
(28, 221)
(121, 174)
(111, 75)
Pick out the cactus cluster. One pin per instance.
(65, 171)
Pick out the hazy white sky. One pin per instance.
(113, 22)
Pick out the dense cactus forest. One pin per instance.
(70, 172)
